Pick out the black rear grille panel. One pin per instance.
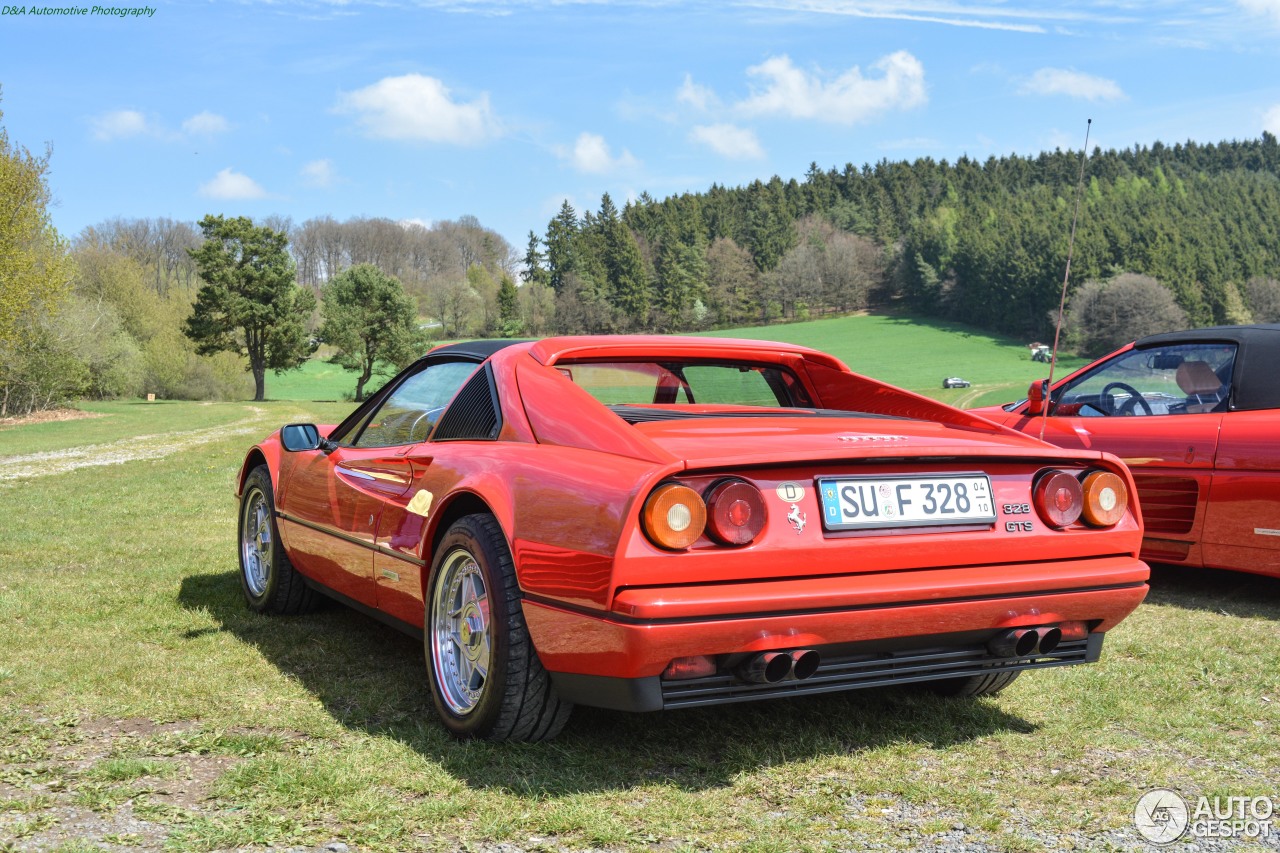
(852, 671)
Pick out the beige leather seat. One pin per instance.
(1201, 385)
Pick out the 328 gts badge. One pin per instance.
(1017, 526)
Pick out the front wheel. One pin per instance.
(485, 677)
(269, 580)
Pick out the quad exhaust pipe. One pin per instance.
(773, 667)
(1025, 642)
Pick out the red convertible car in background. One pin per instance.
(1196, 416)
(642, 523)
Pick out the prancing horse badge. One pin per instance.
(797, 519)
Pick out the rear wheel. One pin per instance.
(485, 676)
(975, 685)
(269, 581)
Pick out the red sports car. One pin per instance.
(642, 523)
(1195, 415)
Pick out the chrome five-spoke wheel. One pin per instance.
(461, 632)
(256, 541)
(485, 676)
(269, 581)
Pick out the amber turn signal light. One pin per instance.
(735, 512)
(1105, 498)
(1058, 498)
(674, 516)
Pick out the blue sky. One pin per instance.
(423, 110)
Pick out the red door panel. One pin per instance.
(404, 523)
(330, 506)
(1242, 526)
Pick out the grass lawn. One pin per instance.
(918, 353)
(318, 380)
(143, 707)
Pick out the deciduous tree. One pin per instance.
(1105, 315)
(371, 321)
(34, 265)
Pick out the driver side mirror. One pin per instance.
(298, 437)
(1036, 396)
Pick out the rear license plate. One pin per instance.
(856, 503)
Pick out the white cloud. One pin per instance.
(695, 95)
(1266, 8)
(591, 154)
(727, 140)
(230, 185)
(206, 124)
(420, 109)
(319, 173)
(847, 99)
(1271, 120)
(1073, 84)
(120, 124)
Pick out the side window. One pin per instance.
(408, 415)
(1171, 380)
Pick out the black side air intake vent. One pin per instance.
(473, 414)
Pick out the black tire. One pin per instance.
(270, 582)
(988, 684)
(485, 677)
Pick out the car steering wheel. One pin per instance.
(1135, 399)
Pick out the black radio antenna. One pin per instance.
(1062, 302)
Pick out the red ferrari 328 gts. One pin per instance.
(641, 523)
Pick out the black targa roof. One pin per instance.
(476, 349)
(1256, 380)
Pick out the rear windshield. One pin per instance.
(644, 383)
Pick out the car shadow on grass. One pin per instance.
(1217, 590)
(370, 678)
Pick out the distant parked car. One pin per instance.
(955, 382)
(643, 523)
(1195, 415)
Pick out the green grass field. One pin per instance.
(143, 707)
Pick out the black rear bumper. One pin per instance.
(850, 667)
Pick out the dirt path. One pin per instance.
(130, 449)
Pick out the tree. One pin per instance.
(36, 372)
(1105, 315)
(509, 324)
(249, 304)
(1264, 299)
(562, 253)
(732, 280)
(535, 271)
(371, 321)
(35, 268)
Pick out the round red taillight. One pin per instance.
(1058, 498)
(1105, 498)
(674, 516)
(735, 512)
